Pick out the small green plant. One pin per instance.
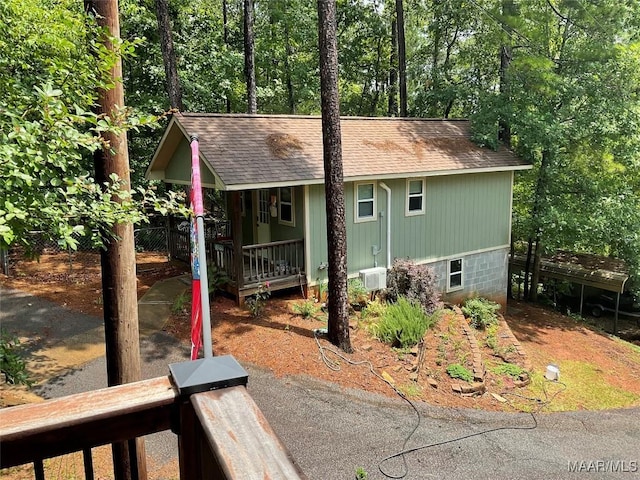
(509, 369)
(403, 324)
(306, 309)
(11, 362)
(456, 370)
(481, 312)
(374, 309)
(180, 304)
(361, 474)
(356, 293)
(216, 278)
(492, 337)
(255, 303)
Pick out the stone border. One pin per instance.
(478, 386)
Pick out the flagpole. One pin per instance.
(199, 214)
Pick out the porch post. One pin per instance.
(236, 232)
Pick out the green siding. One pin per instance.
(179, 167)
(463, 213)
(286, 232)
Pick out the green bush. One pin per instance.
(11, 363)
(456, 370)
(481, 312)
(416, 282)
(403, 324)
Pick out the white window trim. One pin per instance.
(449, 273)
(356, 217)
(291, 223)
(407, 212)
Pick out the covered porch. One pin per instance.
(249, 246)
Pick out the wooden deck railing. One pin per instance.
(222, 433)
(272, 260)
(264, 261)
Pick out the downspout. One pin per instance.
(388, 190)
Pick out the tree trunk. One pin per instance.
(249, 58)
(338, 312)
(506, 54)
(287, 67)
(402, 58)
(225, 37)
(118, 261)
(393, 71)
(168, 54)
(531, 290)
(535, 275)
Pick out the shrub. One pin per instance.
(356, 292)
(306, 308)
(11, 363)
(374, 309)
(416, 282)
(403, 324)
(456, 370)
(481, 312)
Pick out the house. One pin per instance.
(416, 188)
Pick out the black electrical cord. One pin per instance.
(335, 366)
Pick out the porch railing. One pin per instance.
(218, 431)
(261, 262)
(268, 261)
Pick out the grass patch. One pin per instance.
(587, 389)
(410, 390)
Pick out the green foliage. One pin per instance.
(356, 293)
(492, 338)
(52, 63)
(418, 283)
(456, 370)
(11, 362)
(373, 310)
(481, 312)
(403, 324)
(179, 305)
(306, 309)
(509, 369)
(216, 278)
(255, 303)
(361, 474)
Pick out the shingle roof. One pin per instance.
(254, 149)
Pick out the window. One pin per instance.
(365, 202)
(455, 275)
(415, 197)
(286, 206)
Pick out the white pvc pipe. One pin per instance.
(388, 190)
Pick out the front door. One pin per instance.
(262, 230)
